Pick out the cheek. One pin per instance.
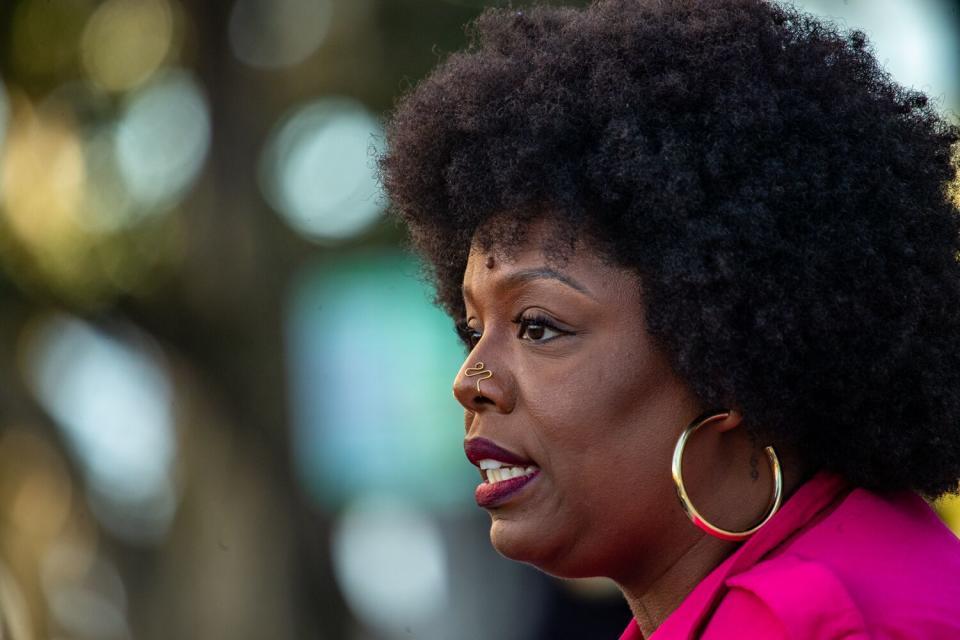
(604, 424)
(626, 402)
(645, 397)
(607, 431)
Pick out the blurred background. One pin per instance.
(225, 407)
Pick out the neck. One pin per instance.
(652, 602)
(653, 593)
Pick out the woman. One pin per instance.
(706, 249)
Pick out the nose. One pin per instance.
(480, 386)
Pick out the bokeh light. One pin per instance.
(43, 175)
(86, 596)
(389, 559)
(14, 608)
(317, 169)
(108, 206)
(163, 138)
(271, 34)
(126, 41)
(37, 484)
(71, 222)
(112, 400)
(372, 363)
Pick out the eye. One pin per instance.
(468, 336)
(538, 329)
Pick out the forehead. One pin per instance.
(542, 239)
(505, 245)
(544, 251)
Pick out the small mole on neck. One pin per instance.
(490, 262)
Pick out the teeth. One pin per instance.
(499, 474)
(490, 464)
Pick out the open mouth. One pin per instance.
(498, 489)
(494, 471)
(504, 472)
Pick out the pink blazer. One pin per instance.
(832, 563)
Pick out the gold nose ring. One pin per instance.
(478, 370)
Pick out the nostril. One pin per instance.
(482, 400)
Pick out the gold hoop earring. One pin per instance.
(692, 512)
(478, 370)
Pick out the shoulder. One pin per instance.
(877, 566)
(789, 597)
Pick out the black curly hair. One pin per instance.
(785, 203)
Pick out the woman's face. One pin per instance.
(579, 390)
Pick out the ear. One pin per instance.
(732, 421)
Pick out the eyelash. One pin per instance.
(470, 337)
(467, 335)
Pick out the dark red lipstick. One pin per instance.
(494, 494)
(490, 495)
(478, 449)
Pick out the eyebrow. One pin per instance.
(537, 273)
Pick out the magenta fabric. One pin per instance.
(833, 563)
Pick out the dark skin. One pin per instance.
(580, 388)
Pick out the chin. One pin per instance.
(523, 543)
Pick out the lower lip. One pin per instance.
(493, 495)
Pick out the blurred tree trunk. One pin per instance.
(224, 316)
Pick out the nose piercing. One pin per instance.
(478, 370)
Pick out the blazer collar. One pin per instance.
(812, 498)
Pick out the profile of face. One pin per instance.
(580, 390)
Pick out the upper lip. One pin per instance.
(478, 449)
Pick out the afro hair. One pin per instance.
(785, 204)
